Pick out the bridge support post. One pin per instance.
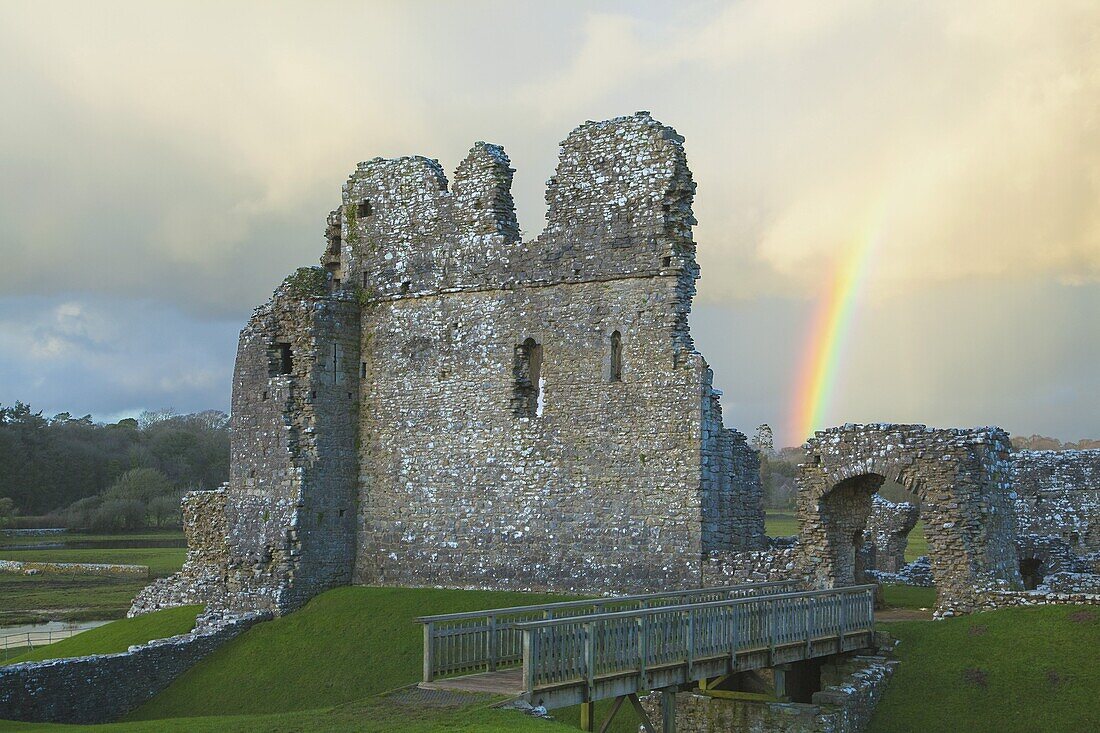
(588, 716)
(668, 710)
(780, 675)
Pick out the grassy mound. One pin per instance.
(1021, 669)
(117, 636)
(343, 646)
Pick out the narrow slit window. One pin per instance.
(616, 372)
(286, 358)
(527, 370)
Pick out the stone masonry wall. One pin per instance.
(104, 687)
(290, 503)
(443, 404)
(887, 534)
(1058, 495)
(610, 469)
(202, 579)
(845, 705)
(963, 480)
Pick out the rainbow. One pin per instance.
(831, 324)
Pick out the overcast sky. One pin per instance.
(163, 166)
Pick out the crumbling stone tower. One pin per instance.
(444, 404)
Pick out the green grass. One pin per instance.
(320, 669)
(908, 596)
(117, 636)
(161, 560)
(1010, 671)
(65, 596)
(778, 524)
(918, 544)
(372, 715)
(343, 646)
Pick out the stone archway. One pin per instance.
(963, 481)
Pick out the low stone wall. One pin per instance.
(82, 568)
(918, 573)
(104, 687)
(1013, 599)
(33, 532)
(845, 707)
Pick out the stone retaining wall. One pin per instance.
(104, 687)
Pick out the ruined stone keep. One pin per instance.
(446, 404)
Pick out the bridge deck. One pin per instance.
(502, 682)
(584, 658)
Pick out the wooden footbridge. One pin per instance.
(578, 652)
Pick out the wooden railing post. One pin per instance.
(643, 651)
(841, 623)
(689, 634)
(492, 650)
(589, 659)
(429, 657)
(529, 660)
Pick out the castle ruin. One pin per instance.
(446, 404)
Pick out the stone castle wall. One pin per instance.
(444, 404)
(602, 472)
(1058, 494)
(202, 579)
(290, 501)
(887, 534)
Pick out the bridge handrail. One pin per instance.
(599, 601)
(631, 642)
(490, 639)
(844, 590)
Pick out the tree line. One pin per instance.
(107, 475)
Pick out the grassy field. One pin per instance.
(784, 524)
(118, 636)
(120, 539)
(76, 597)
(64, 597)
(321, 669)
(780, 524)
(1009, 671)
(161, 560)
(908, 596)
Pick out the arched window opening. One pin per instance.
(616, 373)
(527, 371)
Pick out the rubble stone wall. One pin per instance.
(290, 504)
(443, 404)
(104, 687)
(963, 480)
(1058, 495)
(202, 579)
(605, 467)
(887, 534)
